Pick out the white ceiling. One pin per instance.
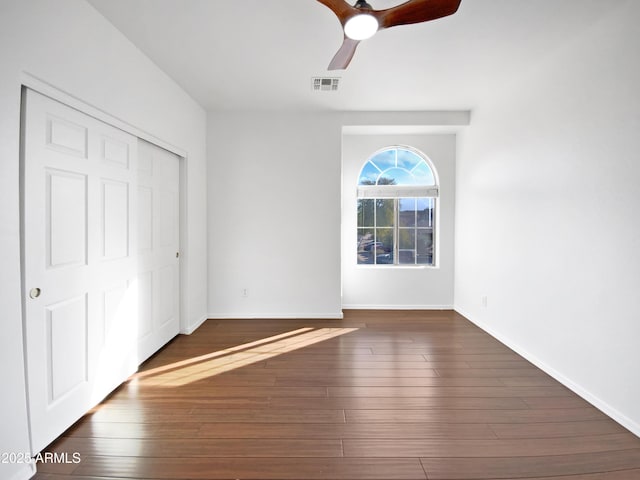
(262, 54)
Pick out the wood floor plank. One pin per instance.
(557, 429)
(571, 401)
(259, 391)
(393, 382)
(463, 448)
(448, 349)
(528, 381)
(471, 358)
(343, 431)
(500, 364)
(406, 403)
(253, 468)
(473, 416)
(211, 415)
(325, 349)
(293, 371)
(200, 447)
(410, 403)
(490, 372)
(616, 475)
(242, 380)
(91, 429)
(353, 359)
(188, 401)
(480, 468)
(271, 415)
(446, 391)
(359, 363)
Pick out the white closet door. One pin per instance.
(158, 247)
(80, 282)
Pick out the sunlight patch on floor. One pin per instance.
(204, 366)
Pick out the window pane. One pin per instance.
(425, 246)
(384, 212)
(385, 159)
(366, 245)
(387, 179)
(368, 175)
(425, 212)
(424, 202)
(408, 159)
(423, 174)
(406, 245)
(407, 238)
(406, 257)
(365, 212)
(395, 176)
(407, 215)
(384, 245)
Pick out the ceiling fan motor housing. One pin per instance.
(362, 4)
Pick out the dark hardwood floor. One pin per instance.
(378, 395)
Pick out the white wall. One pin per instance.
(274, 215)
(365, 286)
(274, 207)
(547, 214)
(67, 44)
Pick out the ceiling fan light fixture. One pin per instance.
(361, 26)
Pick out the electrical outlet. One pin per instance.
(484, 301)
(244, 293)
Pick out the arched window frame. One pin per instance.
(428, 190)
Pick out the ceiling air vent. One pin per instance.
(325, 84)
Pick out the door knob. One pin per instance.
(35, 292)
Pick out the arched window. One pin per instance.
(397, 193)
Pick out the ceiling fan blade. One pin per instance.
(341, 8)
(344, 55)
(415, 11)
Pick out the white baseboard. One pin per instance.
(396, 307)
(248, 316)
(189, 329)
(621, 418)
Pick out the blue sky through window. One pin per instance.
(402, 165)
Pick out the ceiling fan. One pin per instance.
(361, 21)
